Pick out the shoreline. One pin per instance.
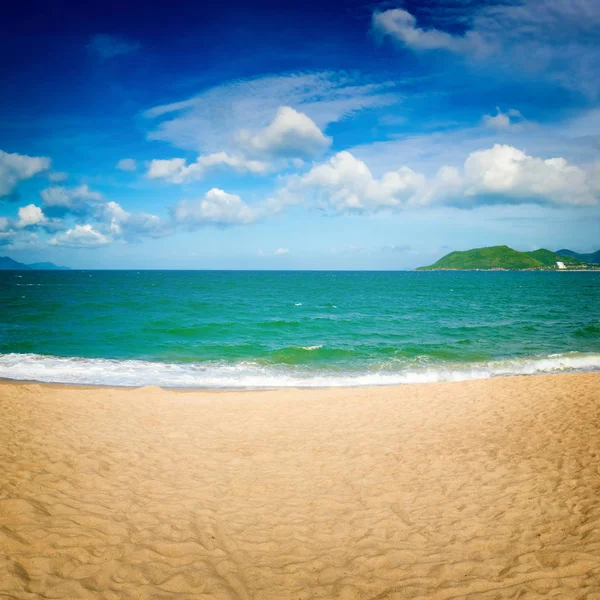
(485, 488)
(307, 388)
(242, 376)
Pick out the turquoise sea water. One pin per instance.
(270, 329)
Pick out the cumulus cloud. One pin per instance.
(126, 225)
(81, 236)
(346, 184)
(15, 168)
(290, 134)
(79, 200)
(508, 173)
(68, 197)
(106, 217)
(499, 175)
(211, 121)
(127, 164)
(177, 170)
(30, 215)
(217, 207)
(19, 239)
(106, 46)
(558, 39)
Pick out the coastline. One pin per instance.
(282, 389)
(248, 375)
(513, 270)
(440, 490)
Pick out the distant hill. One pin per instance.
(501, 257)
(47, 266)
(8, 264)
(593, 258)
(549, 258)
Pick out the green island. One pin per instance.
(505, 258)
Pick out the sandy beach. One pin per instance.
(481, 489)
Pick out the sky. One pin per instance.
(313, 135)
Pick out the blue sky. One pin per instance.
(333, 135)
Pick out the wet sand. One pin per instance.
(482, 489)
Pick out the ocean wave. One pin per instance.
(589, 331)
(250, 375)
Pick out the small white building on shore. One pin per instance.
(560, 265)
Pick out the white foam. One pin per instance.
(249, 375)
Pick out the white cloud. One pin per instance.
(509, 173)
(557, 39)
(401, 26)
(176, 170)
(499, 175)
(56, 176)
(127, 164)
(216, 208)
(30, 215)
(81, 236)
(211, 121)
(20, 239)
(106, 217)
(277, 252)
(72, 199)
(107, 46)
(346, 184)
(123, 224)
(15, 168)
(290, 134)
(80, 201)
(502, 120)
(576, 140)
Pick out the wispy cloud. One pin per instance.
(556, 39)
(401, 26)
(210, 122)
(276, 252)
(127, 164)
(56, 176)
(106, 46)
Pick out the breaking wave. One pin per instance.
(252, 375)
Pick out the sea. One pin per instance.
(266, 329)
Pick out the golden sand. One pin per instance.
(482, 489)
